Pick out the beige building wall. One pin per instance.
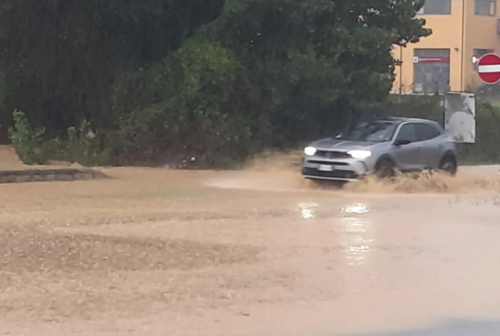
(461, 33)
(481, 32)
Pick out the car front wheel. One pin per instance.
(385, 169)
(448, 165)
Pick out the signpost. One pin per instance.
(460, 116)
(489, 68)
(460, 107)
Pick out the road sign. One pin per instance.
(488, 68)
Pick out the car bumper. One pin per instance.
(334, 170)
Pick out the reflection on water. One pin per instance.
(355, 209)
(357, 235)
(307, 210)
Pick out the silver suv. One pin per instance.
(381, 146)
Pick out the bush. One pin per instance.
(28, 141)
(180, 108)
(81, 145)
(84, 146)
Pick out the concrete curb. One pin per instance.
(46, 175)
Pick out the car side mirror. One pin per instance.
(402, 142)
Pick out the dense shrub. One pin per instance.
(162, 81)
(80, 144)
(28, 140)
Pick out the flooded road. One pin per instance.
(159, 252)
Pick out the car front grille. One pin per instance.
(332, 154)
(323, 162)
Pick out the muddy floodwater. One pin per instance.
(257, 252)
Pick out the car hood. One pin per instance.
(342, 145)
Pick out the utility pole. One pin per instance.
(462, 51)
(399, 63)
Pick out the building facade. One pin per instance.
(462, 31)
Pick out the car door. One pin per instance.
(432, 148)
(408, 157)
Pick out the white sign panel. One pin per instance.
(460, 116)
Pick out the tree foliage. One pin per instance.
(210, 78)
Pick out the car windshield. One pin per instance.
(376, 131)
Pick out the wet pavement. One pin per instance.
(159, 252)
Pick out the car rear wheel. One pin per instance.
(385, 169)
(449, 165)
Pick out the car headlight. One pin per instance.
(310, 151)
(360, 154)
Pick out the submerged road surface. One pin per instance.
(257, 253)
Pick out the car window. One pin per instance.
(426, 132)
(377, 131)
(408, 132)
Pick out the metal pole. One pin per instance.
(400, 70)
(462, 49)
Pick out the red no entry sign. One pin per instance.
(489, 68)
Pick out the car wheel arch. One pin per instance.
(449, 154)
(385, 157)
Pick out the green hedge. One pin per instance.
(487, 146)
(34, 147)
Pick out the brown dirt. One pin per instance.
(10, 161)
(252, 252)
